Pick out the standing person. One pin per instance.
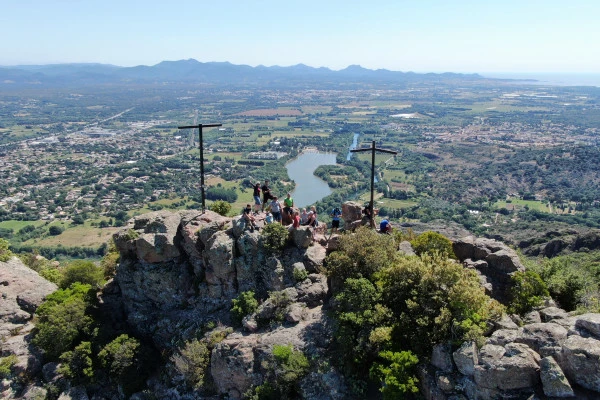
(288, 203)
(385, 226)
(304, 217)
(336, 215)
(266, 194)
(276, 209)
(256, 194)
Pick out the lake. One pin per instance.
(309, 188)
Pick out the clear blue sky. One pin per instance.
(415, 35)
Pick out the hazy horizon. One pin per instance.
(429, 36)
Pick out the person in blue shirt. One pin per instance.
(385, 226)
(336, 215)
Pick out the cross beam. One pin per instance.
(373, 149)
(201, 146)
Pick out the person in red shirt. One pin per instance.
(295, 221)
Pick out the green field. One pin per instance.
(517, 204)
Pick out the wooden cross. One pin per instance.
(200, 126)
(373, 149)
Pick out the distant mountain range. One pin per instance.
(193, 71)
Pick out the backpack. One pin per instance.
(336, 212)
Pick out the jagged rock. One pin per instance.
(75, 393)
(580, 360)
(428, 383)
(232, 363)
(474, 392)
(532, 317)
(554, 381)
(301, 237)
(545, 338)
(500, 263)
(34, 393)
(445, 383)
(441, 357)
(466, 358)
(551, 313)
(220, 267)
(502, 337)
(505, 323)
(312, 290)
(314, 257)
(589, 322)
(327, 386)
(351, 211)
(406, 248)
(295, 312)
(514, 366)
(50, 371)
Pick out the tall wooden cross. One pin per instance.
(200, 126)
(373, 149)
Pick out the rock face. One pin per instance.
(493, 260)
(22, 291)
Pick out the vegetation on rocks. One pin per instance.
(244, 304)
(274, 237)
(527, 292)
(191, 362)
(430, 242)
(221, 207)
(5, 253)
(82, 271)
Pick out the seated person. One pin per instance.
(269, 218)
(385, 226)
(249, 218)
(296, 221)
(304, 217)
(288, 204)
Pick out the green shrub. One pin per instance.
(5, 253)
(220, 207)
(430, 242)
(83, 272)
(6, 364)
(77, 364)
(300, 274)
(52, 274)
(192, 363)
(245, 304)
(274, 237)
(110, 260)
(395, 371)
(120, 357)
(528, 290)
(55, 230)
(62, 319)
(290, 366)
(131, 234)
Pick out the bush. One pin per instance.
(77, 364)
(395, 371)
(528, 291)
(6, 364)
(290, 366)
(55, 230)
(5, 253)
(110, 260)
(274, 236)
(244, 305)
(430, 242)
(192, 363)
(221, 207)
(300, 274)
(120, 358)
(62, 319)
(83, 272)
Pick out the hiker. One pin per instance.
(368, 212)
(296, 221)
(276, 209)
(336, 215)
(385, 226)
(256, 194)
(266, 194)
(304, 217)
(288, 203)
(249, 218)
(313, 221)
(268, 218)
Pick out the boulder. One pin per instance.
(220, 267)
(232, 365)
(441, 357)
(351, 211)
(552, 313)
(74, 393)
(514, 366)
(295, 312)
(545, 338)
(301, 237)
(466, 358)
(580, 360)
(505, 323)
(554, 381)
(314, 257)
(313, 290)
(589, 322)
(502, 337)
(323, 386)
(532, 317)
(406, 248)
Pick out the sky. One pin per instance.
(418, 35)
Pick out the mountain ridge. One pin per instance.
(193, 71)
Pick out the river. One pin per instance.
(309, 188)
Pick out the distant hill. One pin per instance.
(192, 71)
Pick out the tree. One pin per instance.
(5, 253)
(55, 230)
(82, 271)
(221, 207)
(430, 242)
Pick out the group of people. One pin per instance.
(275, 211)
